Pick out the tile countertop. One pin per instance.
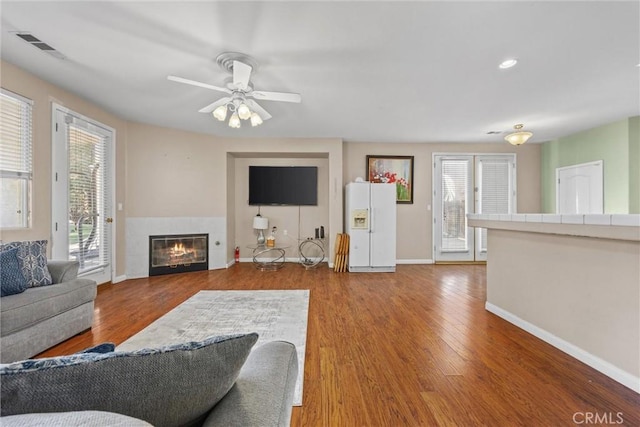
(607, 226)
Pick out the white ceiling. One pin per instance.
(367, 71)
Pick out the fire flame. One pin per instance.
(178, 248)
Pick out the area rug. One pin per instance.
(274, 315)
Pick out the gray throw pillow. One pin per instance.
(169, 386)
(32, 257)
(11, 279)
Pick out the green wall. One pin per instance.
(617, 145)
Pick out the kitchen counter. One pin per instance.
(571, 280)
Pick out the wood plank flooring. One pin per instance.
(411, 348)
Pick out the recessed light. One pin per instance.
(508, 63)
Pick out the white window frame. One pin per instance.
(26, 175)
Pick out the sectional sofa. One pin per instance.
(40, 317)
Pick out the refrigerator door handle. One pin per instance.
(370, 220)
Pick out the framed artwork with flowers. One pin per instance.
(393, 169)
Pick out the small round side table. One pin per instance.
(268, 258)
(311, 252)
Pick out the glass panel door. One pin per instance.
(82, 193)
(453, 199)
(469, 184)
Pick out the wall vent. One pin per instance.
(34, 41)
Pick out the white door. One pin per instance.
(82, 216)
(466, 184)
(453, 200)
(383, 225)
(579, 189)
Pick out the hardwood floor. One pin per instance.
(411, 348)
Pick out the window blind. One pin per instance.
(495, 189)
(15, 160)
(455, 178)
(495, 197)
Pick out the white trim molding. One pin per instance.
(414, 261)
(118, 279)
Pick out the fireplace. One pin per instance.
(178, 253)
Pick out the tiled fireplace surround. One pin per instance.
(138, 231)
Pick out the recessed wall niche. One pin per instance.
(298, 222)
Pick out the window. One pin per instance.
(15, 160)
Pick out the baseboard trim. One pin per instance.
(414, 261)
(461, 262)
(119, 279)
(330, 264)
(607, 368)
(290, 260)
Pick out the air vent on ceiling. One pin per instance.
(494, 132)
(34, 41)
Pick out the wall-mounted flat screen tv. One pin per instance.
(283, 185)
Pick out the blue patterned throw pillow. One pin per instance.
(105, 347)
(11, 279)
(32, 257)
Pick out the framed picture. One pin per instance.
(393, 169)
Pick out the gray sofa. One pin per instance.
(262, 395)
(41, 317)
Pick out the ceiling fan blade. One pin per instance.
(276, 96)
(254, 106)
(241, 75)
(199, 84)
(209, 108)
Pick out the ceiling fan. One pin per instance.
(240, 91)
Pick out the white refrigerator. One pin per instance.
(370, 222)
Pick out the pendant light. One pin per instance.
(518, 137)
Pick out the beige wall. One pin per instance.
(415, 223)
(43, 95)
(231, 201)
(174, 173)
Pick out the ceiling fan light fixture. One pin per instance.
(243, 111)
(518, 137)
(220, 113)
(256, 120)
(234, 121)
(238, 105)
